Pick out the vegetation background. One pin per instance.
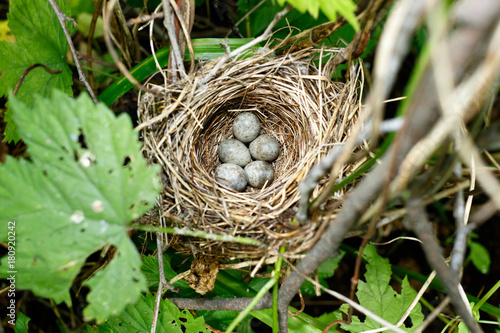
(73, 179)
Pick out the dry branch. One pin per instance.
(62, 21)
(422, 115)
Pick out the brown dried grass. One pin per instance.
(296, 102)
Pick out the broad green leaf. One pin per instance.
(221, 319)
(480, 257)
(376, 295)
(138, 318)
(39, 40)
(85, 181)
(328, 267)
(21, 323)
(330, 8)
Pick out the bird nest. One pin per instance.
(297, 103)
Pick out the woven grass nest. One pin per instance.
(296, 102)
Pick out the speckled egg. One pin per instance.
(234, 151)
(246, 126)
(265, 148)
(258, 173)
(232, 176)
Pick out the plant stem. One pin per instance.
(62, 21)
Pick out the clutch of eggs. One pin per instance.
(235, 155)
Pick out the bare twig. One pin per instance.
(418, 222)
(422, 114)
(176, 54)
(265, 35)
(186, 31)
(229, 304)
(91, 60)
(29, 69)
(483, 213)
(145, 18)
(431, 316)
(308, 184)
(392, 48)
(62, 21)
(162, 283)
(217, 66)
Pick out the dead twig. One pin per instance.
(62, 21)
(222, 304)
(163, 284)
(417, 221)
(422, 114)
(176, 58)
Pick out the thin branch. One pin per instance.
(29, 69)
(417, 221)
(265, 35)
(163, 284)
(91, 60)
(145, 18)
(309, 183)
(168, 22)
(422, 114)
(186, 30)
(483, 213)
(431, 316)
(223, 304)
(217, 66)
(62, 21)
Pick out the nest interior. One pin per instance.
(297, 103)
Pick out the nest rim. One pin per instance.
(296, 103)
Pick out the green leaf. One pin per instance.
(378, 297)
(85, 182)
(39, 39)
(328, 267)
(480, 257)
(21, 323)
(346, 8)
(138, 318)
(221, 319)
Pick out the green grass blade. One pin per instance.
(204, 49)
